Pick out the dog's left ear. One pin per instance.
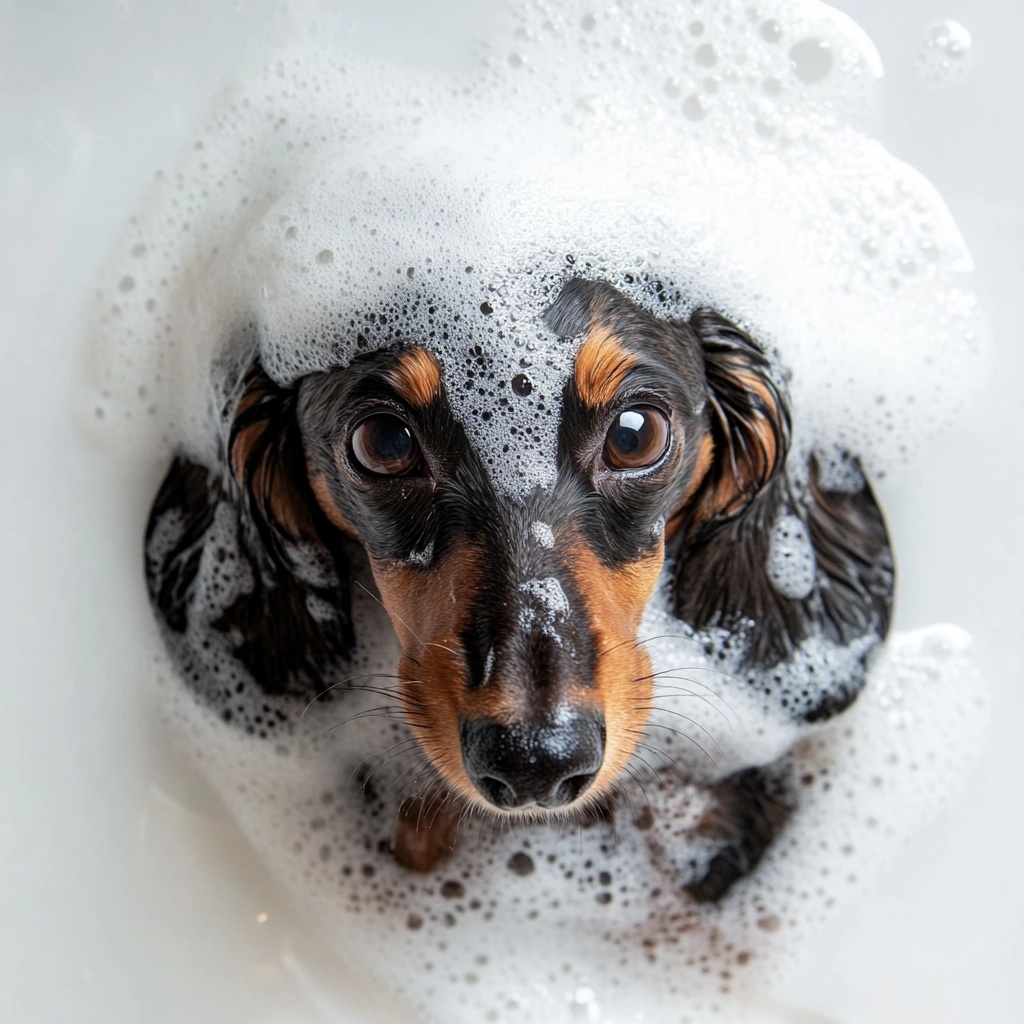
(726, 573)
(749, 422)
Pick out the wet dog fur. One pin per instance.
(488, 687)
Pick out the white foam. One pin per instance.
(775, 188)
(422, 556)
(689, 154)
(599, 907)
(542, 534)
(945, 55)
(545, 601)
(791, 564)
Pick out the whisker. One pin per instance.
(669, 673)
(464, 814)
(422, 764)
(334, 686)
(666, 673)
(388, 711)
(679, 732)
(438, 807)
(679, 691)
(646, 763)
(683, 775)
(659, 677)
(615, 647)
(635, 775)
(382, 759)
(394, 694)
(686, 718)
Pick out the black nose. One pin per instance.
(550, 762)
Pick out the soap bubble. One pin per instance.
(945, 55)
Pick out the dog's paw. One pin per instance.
(427, 831)
(750, 809)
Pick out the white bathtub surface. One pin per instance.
(126, 896)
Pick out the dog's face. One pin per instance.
(518, 616)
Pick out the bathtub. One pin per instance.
(126, 894)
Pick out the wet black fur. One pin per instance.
(270, 629)
(753, 806)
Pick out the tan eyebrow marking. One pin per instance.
(601, 366)
(416, 378)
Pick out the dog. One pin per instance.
(522, 674)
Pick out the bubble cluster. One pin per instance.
(945, 55)
(791, 564)
(336, 206)
(518, 922)
(691, 154)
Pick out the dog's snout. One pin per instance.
(549, 763)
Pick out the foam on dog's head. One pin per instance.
(689, 154)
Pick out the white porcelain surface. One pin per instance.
(125, 895)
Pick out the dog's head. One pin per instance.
(518, 616)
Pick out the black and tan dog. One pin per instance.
(521, 674)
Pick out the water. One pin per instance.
(86, 761)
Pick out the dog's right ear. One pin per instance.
(241, 562)
(267, 460)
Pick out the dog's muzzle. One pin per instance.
(549, 763)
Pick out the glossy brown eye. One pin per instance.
(637, 438)
(384, 445)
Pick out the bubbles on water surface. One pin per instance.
(791, 565)
(812, 59)
(690, 154)
(945, 55)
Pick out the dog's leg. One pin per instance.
(751, 809)
(427, 830)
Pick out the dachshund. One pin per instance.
(521, 671)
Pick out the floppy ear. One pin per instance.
(266, 457)
(749, 422)
(727, 574)
(241, 563)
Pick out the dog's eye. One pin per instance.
(637, 438)
(384, 445)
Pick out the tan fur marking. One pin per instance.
(322, 493)
(429, 611)
(615, 600)
(244, 439)
(743, 469)
(417, 377)
(768, 453)
(270, 487)
(700, 471)
(742, 472)
(601, 367)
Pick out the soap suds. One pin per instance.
(690, 154)
(542, 534)
(791, 564)
(545, 604)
